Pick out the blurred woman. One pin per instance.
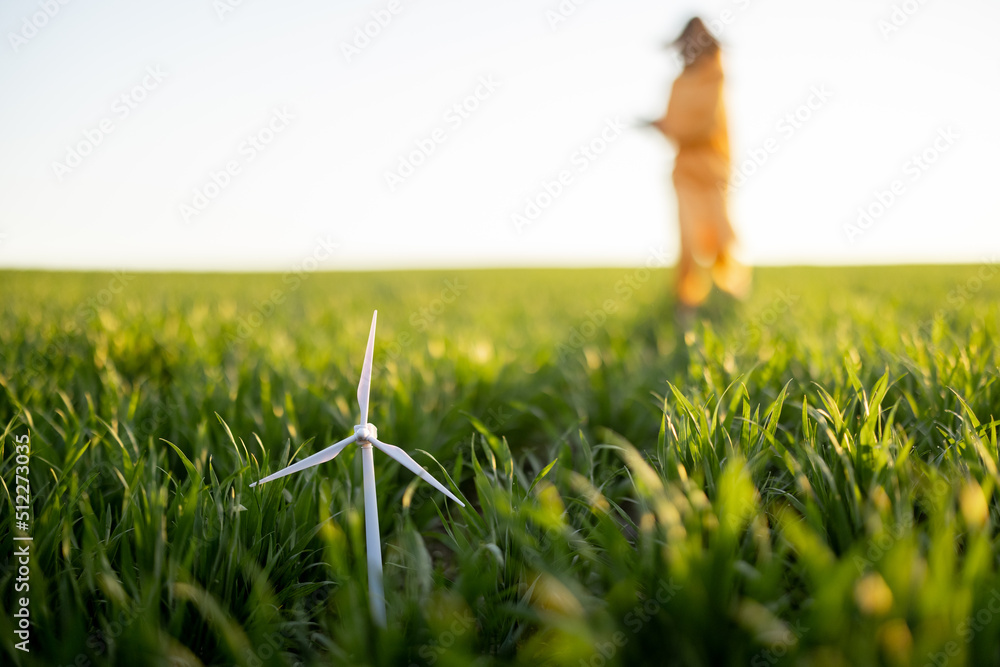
(695, 123)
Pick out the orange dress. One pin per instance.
(696, 123)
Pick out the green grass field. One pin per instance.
(809, 478)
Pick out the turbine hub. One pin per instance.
(363, 433)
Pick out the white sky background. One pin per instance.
(324, 176)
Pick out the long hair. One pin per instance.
(695, 42)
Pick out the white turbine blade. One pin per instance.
(414, 467)
(364, 387)
(327, 454)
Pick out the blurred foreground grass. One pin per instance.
(808, 478)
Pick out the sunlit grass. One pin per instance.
(808, 478)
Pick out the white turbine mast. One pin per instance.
(366, 435)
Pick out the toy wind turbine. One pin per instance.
(366, 435)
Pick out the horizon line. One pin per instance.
(499, 267)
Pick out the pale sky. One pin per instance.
(120, 118)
